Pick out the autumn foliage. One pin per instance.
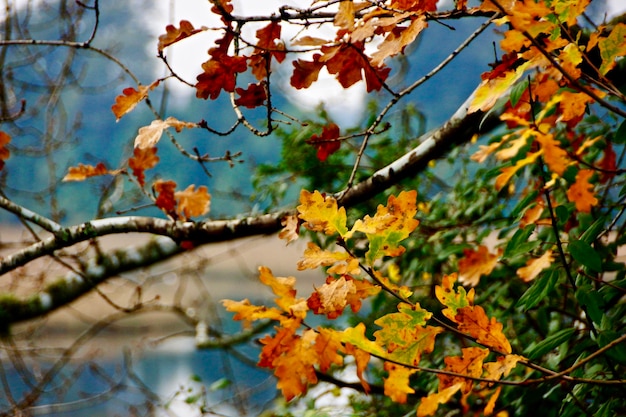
(488, 292)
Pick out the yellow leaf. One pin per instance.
(315, 257)
(581, 192)
(321, 214)
(453, 300)
(332, 297)
(344, 18)
(291, 228)
(491, 90)
(429, 405)
(501, 367)
(284, 289)
(396, 384)
(248, 312)
(534, 267)
(492, 402)
(508, 172)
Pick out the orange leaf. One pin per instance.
(142, 159)
(328, 346)
(501, 367)
(476, 263)
(470, 364)
(4, 152)
(350, 65)
(473, 321)
(284, 289)
(332, 297)
(321, 214)
(396, 384)
(534, 267)
(165, 196)
(248, 312)
(581, 192)
(398, 39)
(429, 405)
(193, 203)
(361, 359)
(174, 34)
(129, 99)
(82, 172)
(327, 143)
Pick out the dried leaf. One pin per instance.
(254, 96)
(476, 263)
(174, 34)
(192, 202)
(534, 266)
(129, 99)
(142, 159)
(82, 172)
(398, 39)
(396, 384)
(291, 228)
(165, 196)
(4, 151)
(327, 143)
(149, 136)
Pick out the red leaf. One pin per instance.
(254, 96)
(327, 143)
(220, 70)
(165, 195)
(4, 152)
(305, 73)
(350, 64)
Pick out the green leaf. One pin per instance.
(620, 133)
(617, 352)
(516, 92)
(592, 232)
(549, 343)
(519, 242)
(583, 253)
(592, 301)
(540, 289)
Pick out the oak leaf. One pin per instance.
(321, 213)
(356, 337)
(327, 143)
(4, 151)
(390, 225)
(142, 159)
(476, 263)
(507, 173)
(534, 266)
(473, 320)
(268, 46)
(149, 136)
(282, 287)
(470, 363)
(247, 312)
(305, 72)
(220, 71)
(491, 90)
(581, 192)
(129, 99)
(344, 18)
(314, 257)
(174, 34)
(82, 172)
(396, 385)
(251, 97)
(453, 300)
(361, 359)
(429, 405)
(291, 228)
(336, 294)
(328, 347)
(350, 65)
(612, 48)
(404, 334)
(165, 200)
(395, 42)
(193, 202)
(501, 367)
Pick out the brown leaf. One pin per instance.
(398, 39)
(174, 34)
(128, 100)
(291, 228)
(165, 195)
